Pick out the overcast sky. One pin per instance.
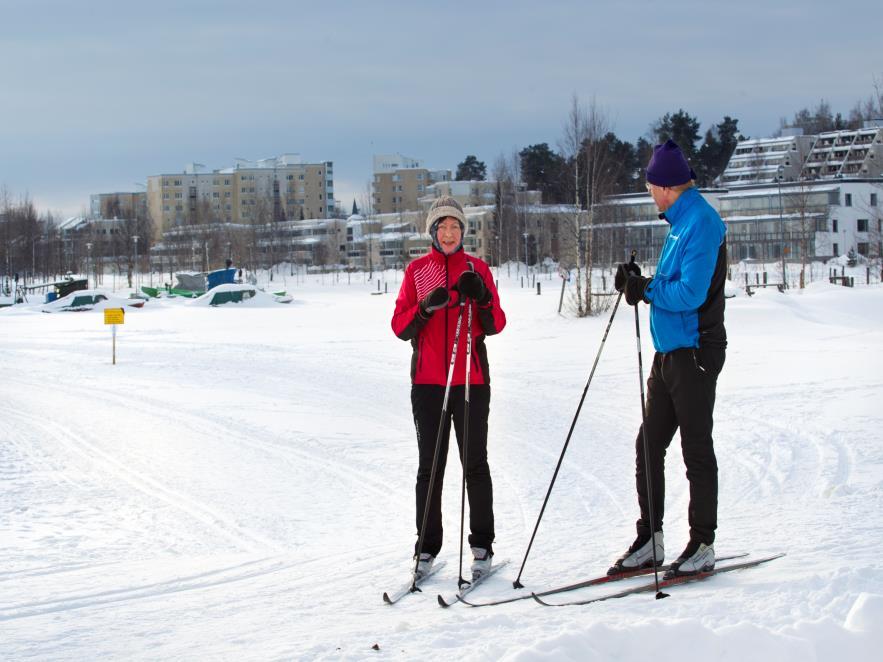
(96, 96)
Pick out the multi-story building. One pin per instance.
(804, 219)
(839, 154)
(764, 160)
(118, 205)
(275, 189)
(476, 193)
(399, 182)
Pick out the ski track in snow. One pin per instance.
(241, 485)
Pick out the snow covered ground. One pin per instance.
(239, 485)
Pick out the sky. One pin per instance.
(96, 96)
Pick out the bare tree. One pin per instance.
(599, 181)
(571, 146)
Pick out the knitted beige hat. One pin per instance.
(442, 208)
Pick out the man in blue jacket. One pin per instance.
(686, 298)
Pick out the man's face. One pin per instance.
(449, 235)
(663, 196)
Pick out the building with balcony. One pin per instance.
(839, 154)
(270, 190)
(763, 160)
(400, 181)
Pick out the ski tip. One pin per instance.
(386, 598)
(442, 603)
(540, 601)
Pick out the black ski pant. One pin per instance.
(680, 394)
(426, 403)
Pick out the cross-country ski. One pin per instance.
(447, 601)
(666, 583)
(407, 588)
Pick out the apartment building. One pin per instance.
(476, 193)
(275, 189)
(763, 160)
(839, 154)
(118, 205)
(400, 181)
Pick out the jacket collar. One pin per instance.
(454, 258)
(679, 209)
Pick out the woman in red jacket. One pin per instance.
(426, 314)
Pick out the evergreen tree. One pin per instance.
(355, 207)
(643, 152)
(543, 170)
(471, 170)
(716, 150)
(681, 127)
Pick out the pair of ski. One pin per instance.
(443, 601)
(604, 579)
(643, 588)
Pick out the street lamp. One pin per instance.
(526, 260)
(779, 174)
(135, 238)
(89, 248)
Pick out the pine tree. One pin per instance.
(471, 170)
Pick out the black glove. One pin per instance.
(472, 286)
(435, 300)
(622, 274)
(635, 286)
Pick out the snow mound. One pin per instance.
(252, 297)
(866, 614)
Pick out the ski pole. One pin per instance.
(659, 594)
(517, 583)
(461, 581)
(438, 438)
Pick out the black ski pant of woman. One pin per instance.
(426, 403)
(680, 394)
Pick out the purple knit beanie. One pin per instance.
(668, 167)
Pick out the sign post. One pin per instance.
(114, 316)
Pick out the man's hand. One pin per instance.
(623, 271)
(634, 289)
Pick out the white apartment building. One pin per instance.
(763, 160)
(276, 189)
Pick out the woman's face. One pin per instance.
(449, 235)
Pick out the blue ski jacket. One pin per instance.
(687, 293)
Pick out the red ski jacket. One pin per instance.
(432, 335)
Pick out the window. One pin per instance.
(834, 225)
(848, 199)
(862, 248)
(873, 199)
(862, 225)
(836, 249)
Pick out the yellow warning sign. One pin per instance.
(114, 316)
